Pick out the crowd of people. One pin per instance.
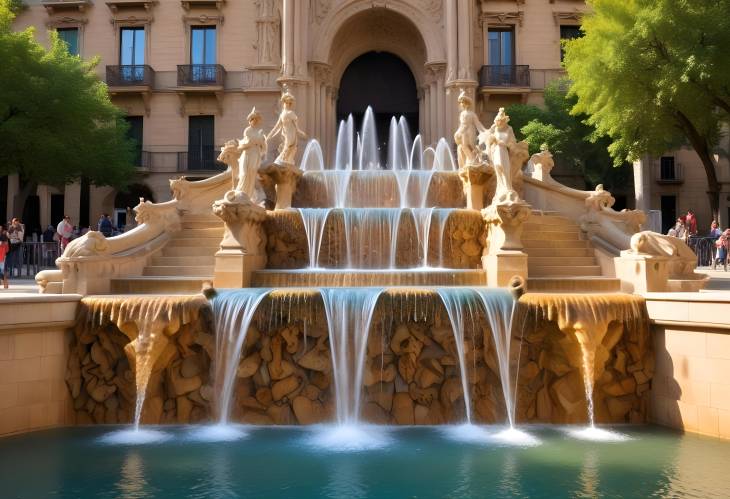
(13, 235)
(686, 227)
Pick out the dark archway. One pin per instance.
(384, 82)
(129, 198)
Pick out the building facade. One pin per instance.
(187, 72)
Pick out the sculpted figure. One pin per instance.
(500, 142)
(466, 135)
(288, 127)
(252, 149)
(229, 156)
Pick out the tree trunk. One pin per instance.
(26, 189)
(700, 145)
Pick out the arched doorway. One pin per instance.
(383, 81)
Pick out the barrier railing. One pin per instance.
(31, 257)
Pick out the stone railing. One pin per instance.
(611, 230)
(90, 262)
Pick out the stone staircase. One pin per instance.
(560, 259)
(183, 265)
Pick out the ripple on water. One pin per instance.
(131, 436)
(597, 434)
(348, 438)
(476, 434)
(217, 433)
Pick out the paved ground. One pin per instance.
(23, 285)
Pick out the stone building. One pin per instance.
(187, 72)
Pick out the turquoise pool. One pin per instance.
(309, 462)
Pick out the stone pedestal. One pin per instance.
(243, 248)
(285, 177)
(504, 256)
(642, 273)
(474, 178)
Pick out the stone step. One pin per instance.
(573, 285)
(564, 270)
(189, 251)
(561, 253)
(188, 260)
(542, 261)
(209, 242)
(158, 285)
(555, 235)
(365, 278)
(201, 224)
(552, 220)
(552, 243)
(206, 232)
(179, 271)
(201, 217)
(536, 227)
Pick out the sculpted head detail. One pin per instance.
(254, 117)
(501, 119)
(464, 100)
(287, 99)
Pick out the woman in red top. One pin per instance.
(4, 248)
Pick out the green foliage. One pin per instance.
(654, 75)
(57, 123)
(573, 143)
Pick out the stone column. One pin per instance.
(440, 130)
(72, 202)
(288, 32)
(13, 188)
(452, 57)
(474, 178)
(643, 179)
(243, 248)
(465, 39)
(428, 138)
(44, 195)
(504, 257)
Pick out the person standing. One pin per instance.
(16, 235)
(690, 222)
(4, 248)
(105, 225)
(65, 231)
(715, 230)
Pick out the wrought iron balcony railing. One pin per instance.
(203, 159)
(504, 76)
(140, 75)
(200, 75)
(670, 173)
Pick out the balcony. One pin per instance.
(510, 79)
(55, 6)
(670, 173)
(201, 75)
(128, 79)
(200, 160)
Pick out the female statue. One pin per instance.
(288, 128)
(500, 141)
(252, 149)
(466, 135)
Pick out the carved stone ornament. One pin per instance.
(161, 214)
(92, 243)
(502, 18)
(319, 10)
(243, 223)
(505, 225)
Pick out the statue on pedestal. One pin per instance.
(465, 137)
(288, 128)
(252, 149)
(500, 142)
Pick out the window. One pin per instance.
(131, 54)
(201, 151)
(135, 133)
(568, 32)
(667, 169)
(501, 47)
(70, 36)
(203, 54)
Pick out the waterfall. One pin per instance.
(442, 218)
(314, 220)
(499, 307)
(143, 369)
(444, 159)
(464, 306)
(349, 312)
(588, 356)
(233, 311)
(345, 146)
(422, 220)
(371, 236)
(415, 160)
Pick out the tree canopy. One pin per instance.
(574, 143)
(57, 123)
(654, 75)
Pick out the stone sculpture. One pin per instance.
(288, 128)
(465, 137)
(500, 143)
(252, 149)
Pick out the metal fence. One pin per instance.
(31, 258)
(704, 248)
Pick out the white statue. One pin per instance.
(252, 149)
(288, 128)
(466, 135)
(500, 141)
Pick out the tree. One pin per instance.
(57, 124)
(574, 143)
(654, 75)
